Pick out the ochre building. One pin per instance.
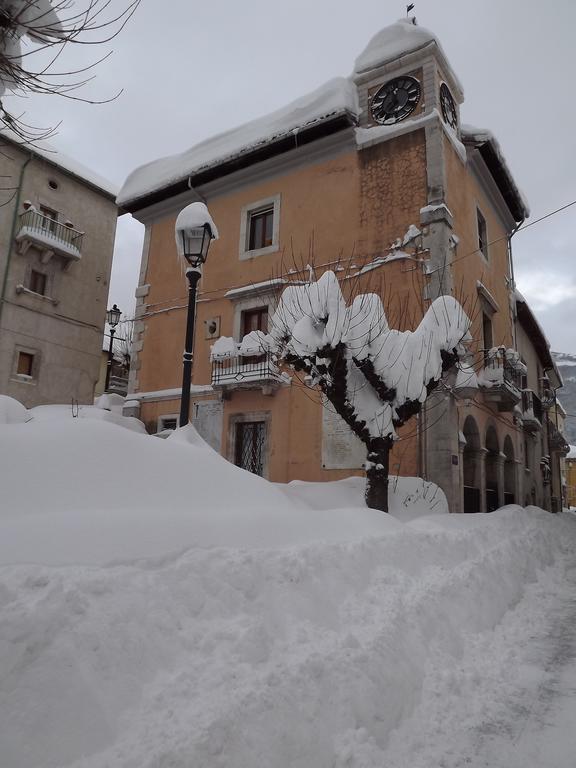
(375, 177)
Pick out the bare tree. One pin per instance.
(34, 36)
(375, 377)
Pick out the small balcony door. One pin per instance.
(249, 446)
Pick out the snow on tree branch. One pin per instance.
(385, 369)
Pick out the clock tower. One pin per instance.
(403, 76)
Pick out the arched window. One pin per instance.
(509, 472)
(471, 466)
(492, 458)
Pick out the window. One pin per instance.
(482, 234)
(167, 422)
(249, 446)
(50, 219)
(255, 320)
(259, 227)
(487, 331)
(25, 363)
(37, 283)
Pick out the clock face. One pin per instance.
(448, 106)
(396, 100)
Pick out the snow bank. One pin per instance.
(410, 497)
(161, 607)
(84, 490)
(226, 658)
(11, 411)
(106, 410)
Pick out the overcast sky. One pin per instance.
(190, 70)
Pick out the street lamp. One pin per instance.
(112, 318)
(195, 230)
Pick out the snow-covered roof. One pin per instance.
(336, 97)
(494, 158)
(528, 320)
(393, 41)
(67, 164)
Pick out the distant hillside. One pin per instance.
(567, 395)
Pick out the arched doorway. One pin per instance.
(492, 460)
(509, 472)
(471, 466)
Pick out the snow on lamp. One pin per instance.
(195, 230)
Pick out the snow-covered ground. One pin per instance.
(160, 608)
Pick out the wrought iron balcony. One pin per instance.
(49, 236)
(531, 411)
(556, 440)
(246, 372)
(501, 378)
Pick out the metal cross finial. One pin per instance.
(409, 8)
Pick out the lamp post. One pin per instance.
(112, 318)
(194, 232)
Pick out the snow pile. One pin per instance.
(338, 96)
(410, 497)
(310, 635)
(220, 658)
(11, 411)
(101, 493)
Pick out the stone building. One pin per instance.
(373, 176)
(57, 229)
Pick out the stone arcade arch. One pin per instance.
(471, 467)
(493, 461)
(509, 472)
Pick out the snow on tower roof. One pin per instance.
(396, 40)
(336, 97)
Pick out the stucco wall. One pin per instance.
(64, 328)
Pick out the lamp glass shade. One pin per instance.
(113, 316)
(195, 242)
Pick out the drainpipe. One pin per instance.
(511, 268)
(12, 232)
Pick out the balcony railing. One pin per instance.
(502, 377)
(246, 371)
(49, 235)
(557, 441)
(531, 411)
